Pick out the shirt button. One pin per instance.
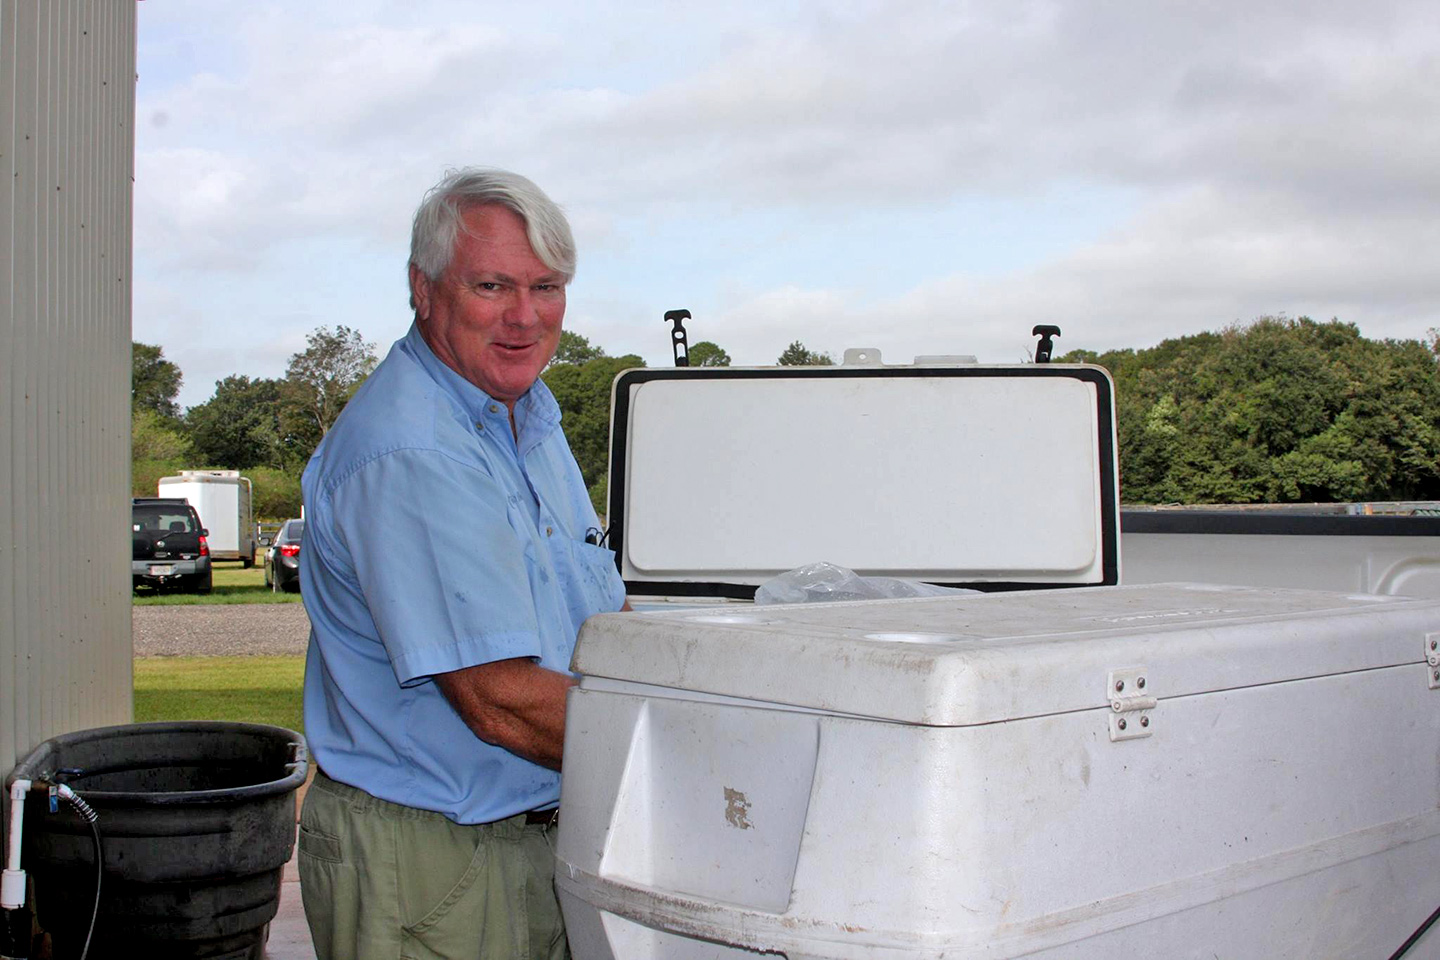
(479, 425)
(549, 531)
(494, 408)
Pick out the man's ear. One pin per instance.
(420, 289)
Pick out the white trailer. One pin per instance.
(222, 498)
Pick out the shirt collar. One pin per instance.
(536, 412)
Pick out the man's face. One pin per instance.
(494, 315)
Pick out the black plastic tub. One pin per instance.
(197, 820)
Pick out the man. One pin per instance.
(446, 572)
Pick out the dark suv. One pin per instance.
(168, 545)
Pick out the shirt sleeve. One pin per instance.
(442, 567)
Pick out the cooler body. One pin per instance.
(1170, 770)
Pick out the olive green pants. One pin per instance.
(381, 880)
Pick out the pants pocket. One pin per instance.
(475, 916)
(455, 894)
(318, 845)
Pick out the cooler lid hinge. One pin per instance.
(1131, 703)
(1432, 660)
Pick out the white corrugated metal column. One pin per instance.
(67, 106)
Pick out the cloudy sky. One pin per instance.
(921, 177)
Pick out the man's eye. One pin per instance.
(487, 286)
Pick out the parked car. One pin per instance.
(168, 546)
(282, 558)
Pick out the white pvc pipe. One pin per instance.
(12, 881)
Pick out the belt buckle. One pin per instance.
(543, 818)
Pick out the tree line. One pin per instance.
(1279, 410)
(266, 428)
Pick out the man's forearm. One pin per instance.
(515, 704)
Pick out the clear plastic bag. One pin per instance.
(827, 582)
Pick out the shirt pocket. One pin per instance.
(595, 578)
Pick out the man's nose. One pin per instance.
(521, 310)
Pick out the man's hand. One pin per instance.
(515, 704)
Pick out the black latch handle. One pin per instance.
(1046, 346)
(677, 336)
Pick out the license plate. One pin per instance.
(161, 569)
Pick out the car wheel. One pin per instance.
(248, 562)
(205, 585)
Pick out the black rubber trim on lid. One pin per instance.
(746, 591)
(1256, 523)
(620, 418)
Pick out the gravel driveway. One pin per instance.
(236, 629)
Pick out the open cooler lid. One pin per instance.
(994, 477)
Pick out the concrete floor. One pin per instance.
(289, 934)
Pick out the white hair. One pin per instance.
(438, 219)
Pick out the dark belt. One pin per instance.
(546, 818)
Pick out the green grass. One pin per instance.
(247, 689)
(232, 583)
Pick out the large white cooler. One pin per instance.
(1158, 771)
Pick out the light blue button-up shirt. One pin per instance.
(434, 540)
